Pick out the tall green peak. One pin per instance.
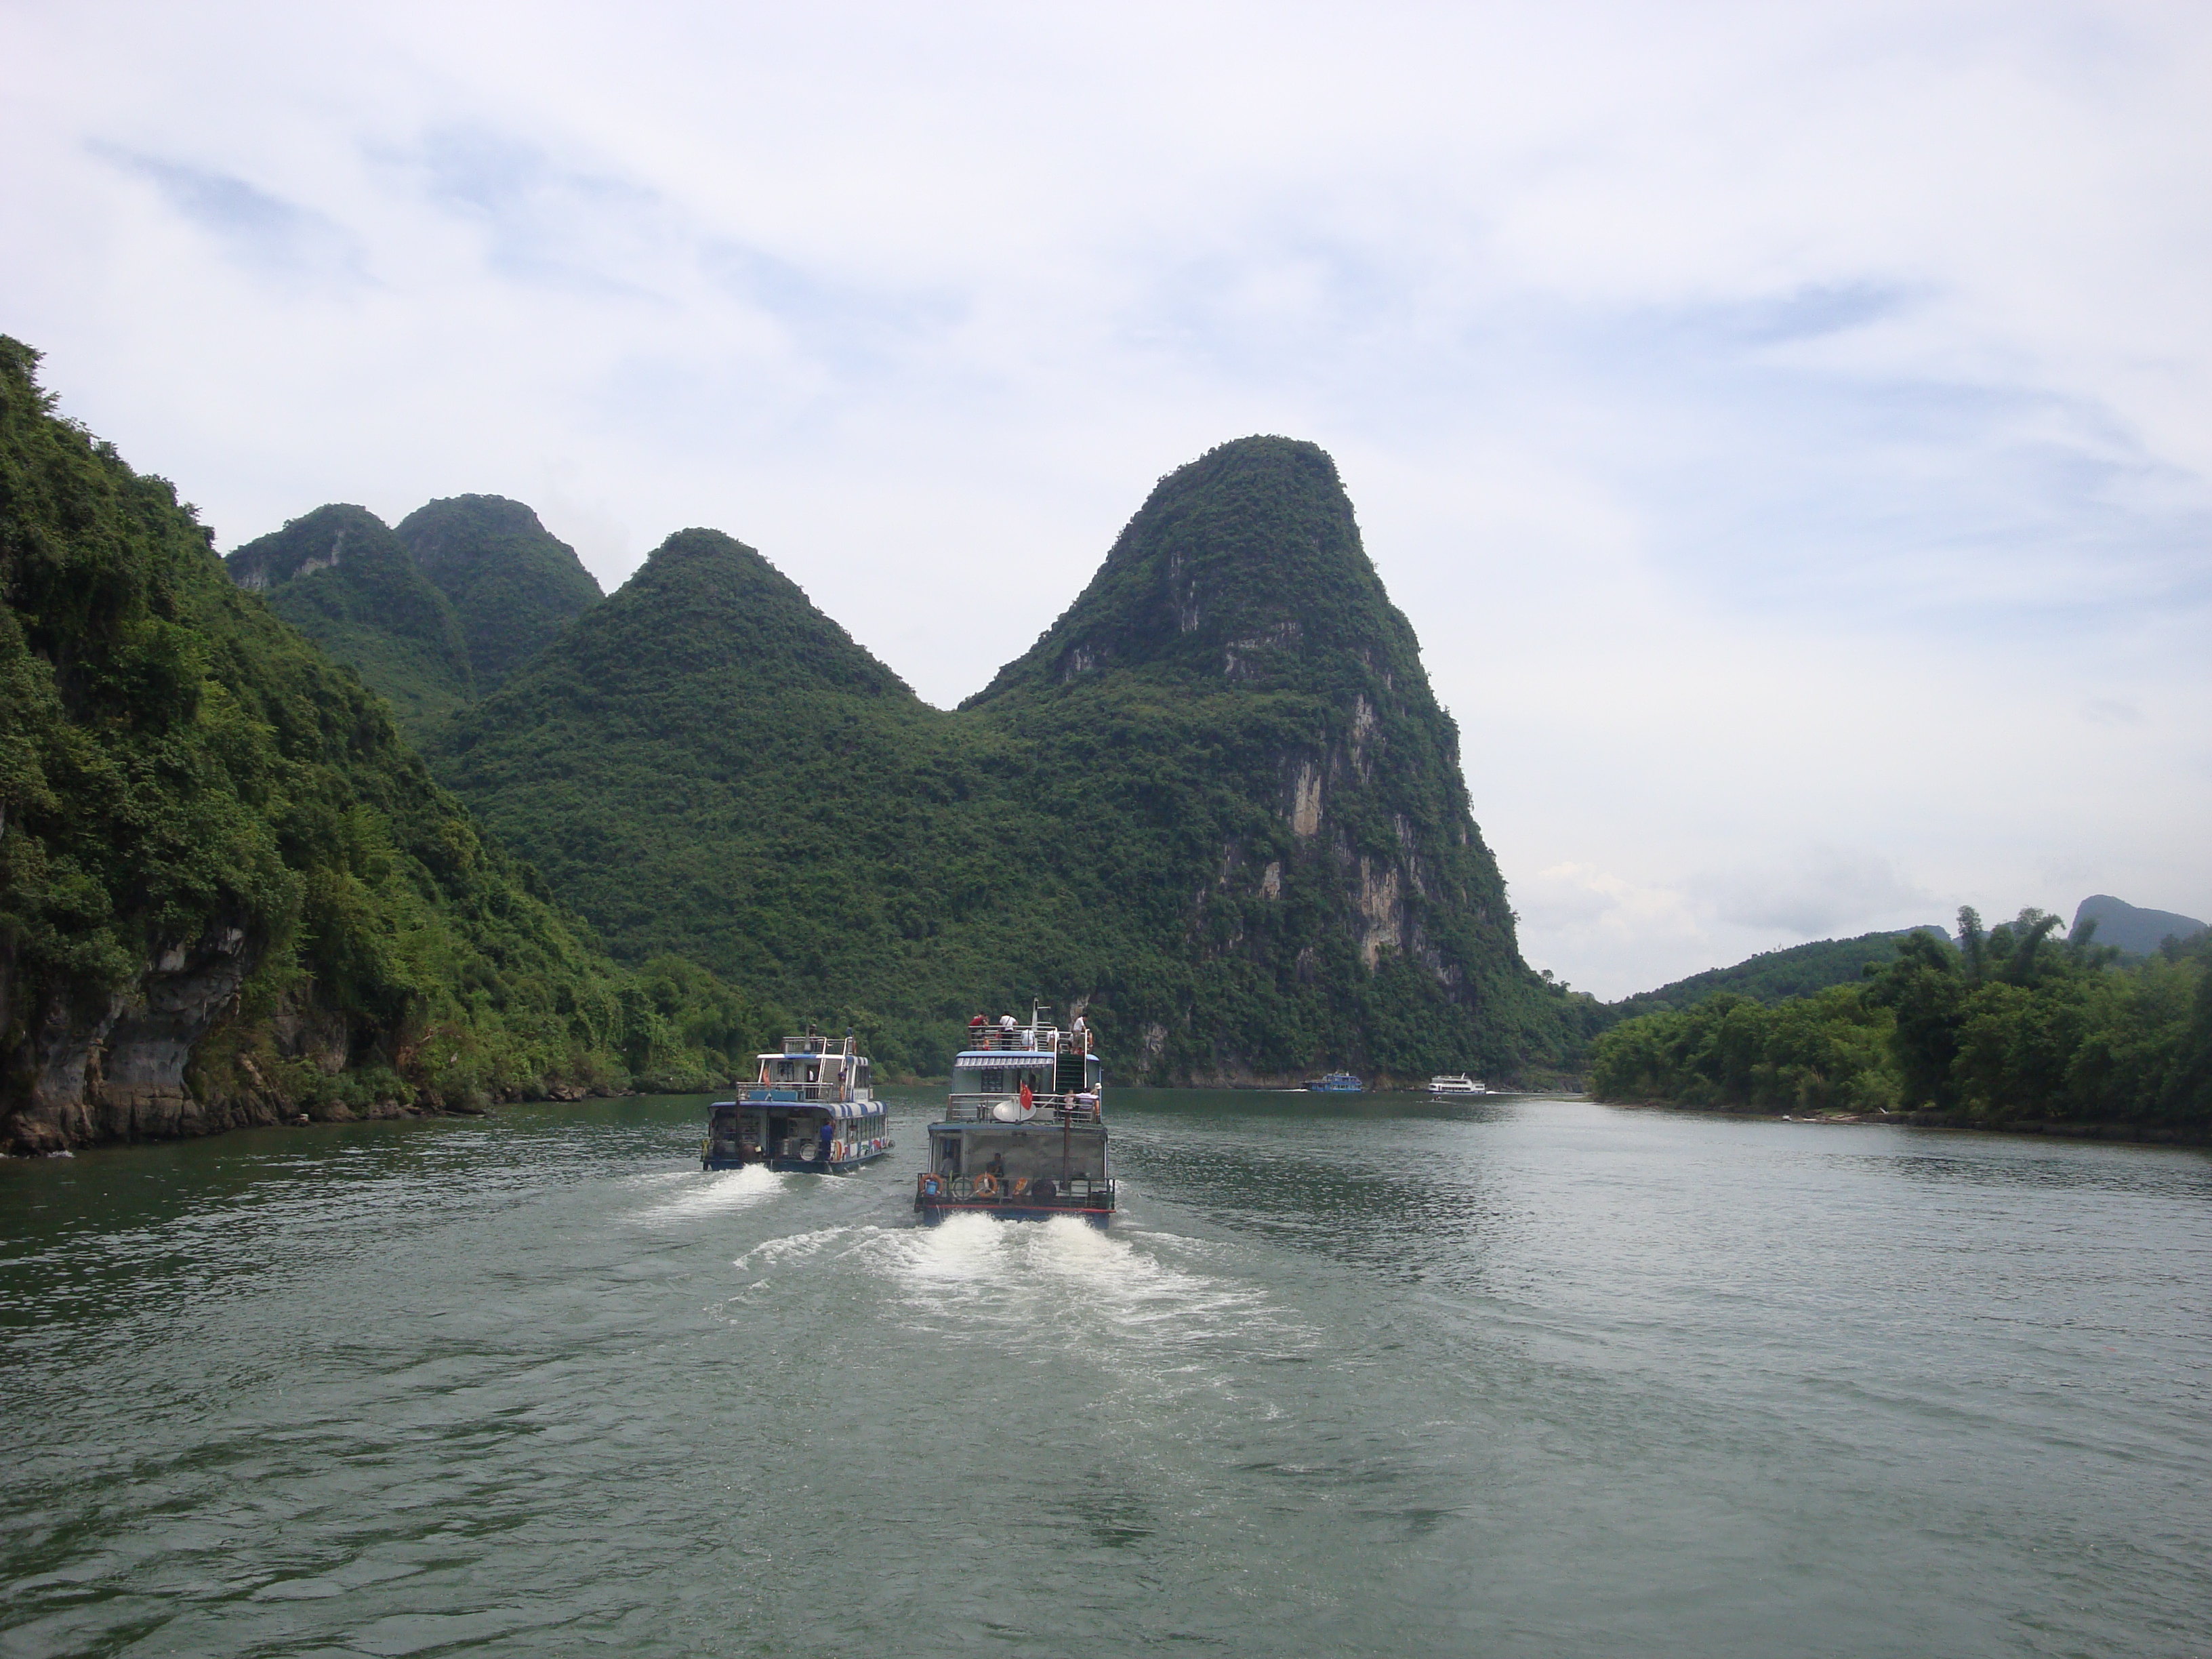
(1244, 568)
(512, 583)
(709, 765)
(706, 603)
(342, 578)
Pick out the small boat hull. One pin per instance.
(798, 1166)
(1010, 1210)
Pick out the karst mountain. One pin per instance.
(1217, 805)
(376, 817)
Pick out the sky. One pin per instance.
(1788, 428)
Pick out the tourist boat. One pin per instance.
(812, 1107)
(1457, 1082)
(1337, 1082)
(1024, 1134)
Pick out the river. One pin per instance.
(1523, 1377)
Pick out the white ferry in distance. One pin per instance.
(813, 1107)
(1024, 1134)
(1457, 1082)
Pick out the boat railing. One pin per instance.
(1040, 1192)
(1053, 1109)
(1021, 1037)
(784, 1094)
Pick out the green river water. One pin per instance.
(1354, 1376)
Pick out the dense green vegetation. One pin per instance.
(1215, 804)
(2006, 1027)
(1798, 970)
(184, 778)
(513, 584)
(343, 578)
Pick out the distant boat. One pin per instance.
(1337, 1082)
(1457, 1082)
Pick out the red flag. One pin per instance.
(1029, 1096)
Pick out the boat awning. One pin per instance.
(998, 1058)
(783, 1097)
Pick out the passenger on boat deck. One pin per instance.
(996, 1166)
(1006, 1022)
(828, 1134)
(978, 1023)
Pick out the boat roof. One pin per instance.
(1004, 1057)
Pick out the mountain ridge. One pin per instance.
(341, 577)
(513, 584)
(2132, 927)
(1258, 857)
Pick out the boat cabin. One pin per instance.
(810, 1106)
(1024, 1133)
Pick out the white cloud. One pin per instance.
(1788, 427)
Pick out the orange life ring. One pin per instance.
(931, 1187)
(986, 1185)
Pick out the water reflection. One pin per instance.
(1399, 1184)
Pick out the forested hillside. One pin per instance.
(230, 890)
(1217, 805)
(2008, 1028)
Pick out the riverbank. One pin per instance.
(30, 1134)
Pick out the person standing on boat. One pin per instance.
(828, 1134)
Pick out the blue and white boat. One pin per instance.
(1337, 1082)
(812, 1108)
(1024, 1133)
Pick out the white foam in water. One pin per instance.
(1058, 1280)
(793, 1247)
(717, 1192)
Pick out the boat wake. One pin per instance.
(716, 1192)
(1063, 1280)
(793, 1247)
